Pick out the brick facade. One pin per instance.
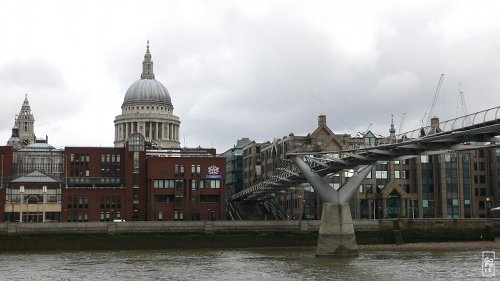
(107, 184)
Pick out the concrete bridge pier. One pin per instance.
(336, 232)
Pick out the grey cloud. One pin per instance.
(234, 72)
(31, 74)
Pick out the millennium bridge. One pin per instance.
(336, 234)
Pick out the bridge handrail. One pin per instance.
(462, 122)
(458, 123)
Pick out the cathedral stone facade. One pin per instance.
(147, 109)
(23, 130)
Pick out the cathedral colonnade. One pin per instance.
(152, 130)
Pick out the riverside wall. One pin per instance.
(227, 234)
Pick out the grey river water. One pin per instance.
(240, 264)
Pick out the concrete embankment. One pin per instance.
(226, 234)
(437, 246)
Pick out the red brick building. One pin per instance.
(186, 185)
(107, 184)
(6, 153)
(94, 187)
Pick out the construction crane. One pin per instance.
(433, 106)
(402, 123)
(462, 106)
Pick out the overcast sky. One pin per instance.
(256, 69)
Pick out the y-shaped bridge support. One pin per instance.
(336, 232)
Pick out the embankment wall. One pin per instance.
(226, 234)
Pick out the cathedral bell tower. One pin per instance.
(25, 123)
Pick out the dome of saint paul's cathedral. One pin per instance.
(147, 90)
(147, 109)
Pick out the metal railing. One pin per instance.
(463, 122)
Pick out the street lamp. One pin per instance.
(44, 192)
(411, 208)
(374, 209)
(489, 204)
(12, 216)
(21, 191)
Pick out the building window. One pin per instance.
(481, 205)
(424, 159)
(79, 165)
(211, 184)
(179, 170)
(209, 198)
(195, 184)
(425, 203)
(164, 183)
(195, 170)
(381, 174)
(179, 184)
(482, 191)
(164, 198)
(178, 215)
(110, 165)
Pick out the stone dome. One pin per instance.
(147, 91)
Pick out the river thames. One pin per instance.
(241, 264)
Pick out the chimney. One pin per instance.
(322, 120)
